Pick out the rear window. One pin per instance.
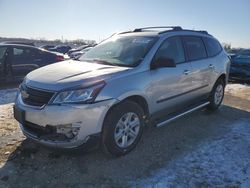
(195, 48)
(213, 46)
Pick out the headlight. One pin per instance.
(86, 95)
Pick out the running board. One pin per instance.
(181, 114)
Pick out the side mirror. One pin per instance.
(162, 62)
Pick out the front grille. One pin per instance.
(35, 97)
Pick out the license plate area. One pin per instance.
(19, 114)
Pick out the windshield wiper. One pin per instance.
(99, 61)
(104, 62)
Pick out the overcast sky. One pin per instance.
(227, 20)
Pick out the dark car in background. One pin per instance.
(16, 61)
(61, 49)
(240, 66)
(233, 52)
(78, 49)
(47, 47)
(77, 54)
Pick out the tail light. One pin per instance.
(59, 58)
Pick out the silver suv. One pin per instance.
(133, 78)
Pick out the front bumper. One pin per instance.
(89, 118)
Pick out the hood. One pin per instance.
(68, 74)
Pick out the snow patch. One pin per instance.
(224, 162)
(8, 95)
(236, 87)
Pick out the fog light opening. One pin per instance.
(69, 130)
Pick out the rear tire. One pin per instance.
(217, 95)
(122, 128)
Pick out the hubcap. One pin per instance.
(218, 94)
(127, 129)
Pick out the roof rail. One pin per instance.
(197, 31)
(205, 32)
(175, 28)
(170, 29)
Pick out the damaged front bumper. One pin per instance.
(49, 137)
(62, 126)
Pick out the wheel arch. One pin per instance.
(136, 98)
(222, 77)
(141, 101)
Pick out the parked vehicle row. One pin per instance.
(47, 46)
(60, 48)
(65, 49)
(117, 87)
(240, 66)
(77, 49)
(77, 54)
(17, 60)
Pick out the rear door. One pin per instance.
(23, 61)
(214, 60)
(197, 56)
(46, 57)
(171, 86)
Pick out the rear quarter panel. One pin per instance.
(222, 66)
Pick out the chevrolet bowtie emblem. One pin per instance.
(24, 94)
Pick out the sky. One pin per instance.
(227, 20)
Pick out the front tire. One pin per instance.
(122, 128)
(217, 95)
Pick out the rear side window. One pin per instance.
(20, 54)
(172, 49)
(195, 48)
(18, 51)
(213, 47)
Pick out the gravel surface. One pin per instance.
(202, 149)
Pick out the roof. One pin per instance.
(19, 42)
(21, 45)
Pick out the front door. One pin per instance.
(171, 88)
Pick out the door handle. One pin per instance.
(211, 66)
(186, 72)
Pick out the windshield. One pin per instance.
(120, 51)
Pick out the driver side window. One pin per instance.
(171, 48)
